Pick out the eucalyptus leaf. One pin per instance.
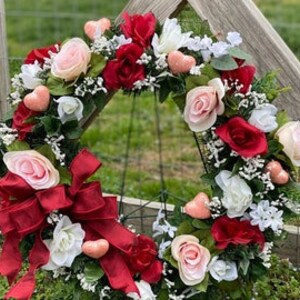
(239, 53)
(224, 63)
(9, 115)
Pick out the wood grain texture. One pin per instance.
(267, 48)
(4, 73)
(162, 9)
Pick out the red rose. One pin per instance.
(39, 55)
(124, 71)
(20, 116)
(227, 231)
(244, 75)
(143, 260)
(242, 137)
(140, 28)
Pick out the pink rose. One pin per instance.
(192, 259)
(33, 167)
(203, 104)
(72, 60)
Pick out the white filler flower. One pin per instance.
(65, 245)
(222, 270)
(69, 108)
(170, 39)
(237, 195)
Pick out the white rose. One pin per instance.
(222, 270)
(145, 291)
(29, 76)
(72, 60)
(237, 195)
(170, 39)
(69, 108)
(264, 118)
(65, 245)
(289, 137)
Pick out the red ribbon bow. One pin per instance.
(83, 203)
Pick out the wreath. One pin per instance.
(54, 217)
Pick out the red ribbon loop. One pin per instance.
(84, 203)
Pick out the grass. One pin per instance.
(32, 23)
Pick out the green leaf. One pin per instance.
(210, 72)
(244, 265)
(239, 53)
(185, 228)
(237, 166)
(164, 91)
(97, 64)
(201, 234)
(9, 115)
(59, 87)
(196, 81)
(64, 175)
(180, 102)
(18, 146)
(199, 224)
(46, 151)
(224, 63)
(274, 147)
(92, 272)
(72, 130)
(51, 124)
(282, 118)
(202, 287)
(169, 258)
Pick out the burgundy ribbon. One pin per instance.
(83, 202)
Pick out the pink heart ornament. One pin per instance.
(94, 28)
(180, 63)
(95, 249)
(277, 174)
(38, 99)
(198, 207)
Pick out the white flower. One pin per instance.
(65, 245)
(197, 44)
(222, 270)
(237, 195)
(266, 216)
(145, 291)
(30, 74)
(69, 108)
(234, 38)
(219, 49)
(264, 118)
(170, 39)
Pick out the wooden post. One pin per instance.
(4, 73)
(267, 48)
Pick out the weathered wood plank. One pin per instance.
(162, 9)
(261, 40)
(4, 73)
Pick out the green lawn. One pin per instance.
(32, 23)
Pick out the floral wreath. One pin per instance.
(56, 219)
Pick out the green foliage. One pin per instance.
(93, 272)
(239, 53)
(196, 81)
(18, 146)
(59, 87)
(97, 64)
(281, 282)
(224, 63)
